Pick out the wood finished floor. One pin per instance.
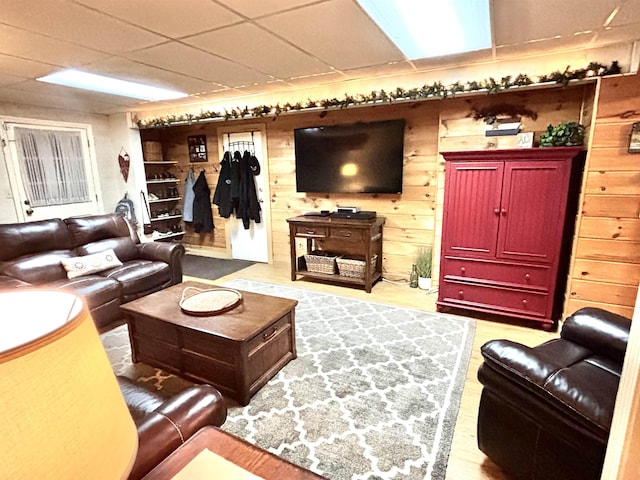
(466, 462)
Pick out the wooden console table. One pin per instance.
(248, 457)
(361, 239)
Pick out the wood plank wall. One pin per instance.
(606, 265)
(605, 269)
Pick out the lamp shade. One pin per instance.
(61, 410)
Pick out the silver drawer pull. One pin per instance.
(345, 233)
(309, 231)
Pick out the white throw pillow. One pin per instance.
(78, 266)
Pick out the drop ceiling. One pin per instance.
(219, 49)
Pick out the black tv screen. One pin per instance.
(356, 158)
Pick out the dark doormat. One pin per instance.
(211, 268)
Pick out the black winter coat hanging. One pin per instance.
(248, 205)
(202, 214)
(222, 195)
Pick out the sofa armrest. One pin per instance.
(170, 253)
(598, 330)
(174, 422)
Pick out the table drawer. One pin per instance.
(348, 234)
(269, 347)
(141, 326)
(496, 298)
(310, 231)
(522, 275)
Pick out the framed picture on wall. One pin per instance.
(634, 138)
(197, 148)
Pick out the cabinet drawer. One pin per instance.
(521, 275)
(494, 298)
(141, 326)
(348, 234)
(310, 231)
(268, 347)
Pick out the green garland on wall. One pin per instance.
(436, 90)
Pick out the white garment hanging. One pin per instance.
(187, 210)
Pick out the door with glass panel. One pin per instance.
(52, 171)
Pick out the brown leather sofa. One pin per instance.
(31, 254)
(545, 412)
(165, 424)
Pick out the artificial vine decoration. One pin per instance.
(435, 90)
(491, 113)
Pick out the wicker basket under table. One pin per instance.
(321, 261)
(354, 268)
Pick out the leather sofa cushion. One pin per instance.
(95, 289)
(19, 239)
(570, 377)
(138, 276)
(123, 247)
(38, 268)
(99, 227)
(10, 282)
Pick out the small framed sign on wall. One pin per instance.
(197, 148)
(634, 138)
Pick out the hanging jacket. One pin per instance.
(248, 205)
(187, 207)
(222, 195)
(202, 214)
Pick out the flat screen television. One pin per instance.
(355, 158)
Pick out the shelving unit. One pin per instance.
(358, 239)
(163, 196)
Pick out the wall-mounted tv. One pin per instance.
(354, 158)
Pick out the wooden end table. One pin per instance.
(241, 453)
(237, 351)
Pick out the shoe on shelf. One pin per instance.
(153, 197)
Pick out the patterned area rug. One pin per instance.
(373, 394)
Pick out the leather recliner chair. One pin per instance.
(166, 423)
(545, 412)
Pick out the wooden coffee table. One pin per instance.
(237, 351)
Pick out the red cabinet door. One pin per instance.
(471, 208)
(534, 197)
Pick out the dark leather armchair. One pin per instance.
(165, 424)
(545, 412)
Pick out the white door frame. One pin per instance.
(264, 170)
(15, 179)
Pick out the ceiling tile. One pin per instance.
(251, 45)
(53, 101)
(77, 24)
(137, 72)
(192, 62)
(337, 32)
(23, 68)
(34, 46)
(253, 9)
(519, 22)
(168, 18)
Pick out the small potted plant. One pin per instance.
(423, 266)
(564, 134)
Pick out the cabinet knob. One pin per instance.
(496, 211)
(527, 277)
(463, 270)
(503, 211)
(524, 303)
(461, 294)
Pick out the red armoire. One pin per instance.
(507, 229)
